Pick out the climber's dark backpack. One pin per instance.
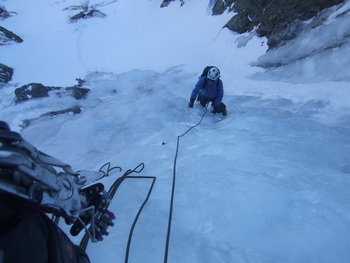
(204, 74)
(205, 71)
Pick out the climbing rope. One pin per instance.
(138, 169)
(173, 186)
(112, 191)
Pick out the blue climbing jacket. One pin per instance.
(213, 92)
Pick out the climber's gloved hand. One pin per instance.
(190, 104)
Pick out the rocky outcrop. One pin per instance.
(8, 37)
(88, 14)
(165, 3)
(87, 11)
(38, 90)
(5, 73)
(70, 111)
(32, 91)
(277, 20)
(4, 13)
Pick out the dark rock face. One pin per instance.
(5, 73)
(38, 90)
(85, 15)
(33, 90)
(167, 2)
(7, 37)
(4, 13)
(77, 92)
(240, 23)
(70, 111)
(278, 20)
(87, 11)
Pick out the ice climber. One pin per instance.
(209, 88)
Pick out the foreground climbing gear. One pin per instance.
(26, 173)
(30, 174)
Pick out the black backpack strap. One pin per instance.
(205, 71)
(218, 83)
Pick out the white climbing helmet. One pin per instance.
(213, 73)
